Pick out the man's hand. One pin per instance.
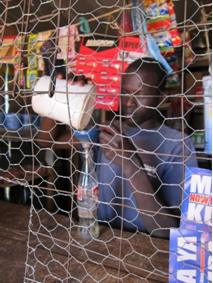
(115, 145)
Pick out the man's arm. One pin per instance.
(123, 153)
(53, 135)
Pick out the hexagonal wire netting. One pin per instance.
(41, 157)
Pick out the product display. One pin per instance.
(104, 61)
(106, 141)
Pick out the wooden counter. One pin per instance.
(55, 253)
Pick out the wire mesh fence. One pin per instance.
(69, 68)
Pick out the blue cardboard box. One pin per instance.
(196, 210)
(191, 245)
(190, 256)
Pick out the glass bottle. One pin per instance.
(88, 199)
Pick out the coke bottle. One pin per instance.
(88, 199)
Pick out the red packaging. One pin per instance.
(176, 38)
(104, 61)
(125, 24)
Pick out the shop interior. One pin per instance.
(34, 37)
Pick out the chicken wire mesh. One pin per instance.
(42, 39)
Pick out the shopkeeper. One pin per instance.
(140, 172)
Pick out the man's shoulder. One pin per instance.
(168, 132)
(176, 137)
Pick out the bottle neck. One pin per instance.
(88, 160)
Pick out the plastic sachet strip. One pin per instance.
(139, 24)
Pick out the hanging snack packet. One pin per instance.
(150, 8)
(164, 42)
(19, 66)
(176, 38)
(153, 10)
(68, 35)
(161, 21)
(125, 24)
(158, 23)
(32, 70)
(158, 27)
(153, 47)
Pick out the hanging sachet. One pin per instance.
(32, 70)
(68, 35)
(48, 50)
(41, 38)
(176, 37)
(158, 24)
(161, 23)
(19, 64)
(125, 23)
(152, 47)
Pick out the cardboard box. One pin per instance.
(197, 200)
(191, 244)
(190, 256)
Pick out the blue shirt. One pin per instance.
(162, 150)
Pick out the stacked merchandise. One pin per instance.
(104, 60)
(162, 25)
(161, 22)
(191, 244)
